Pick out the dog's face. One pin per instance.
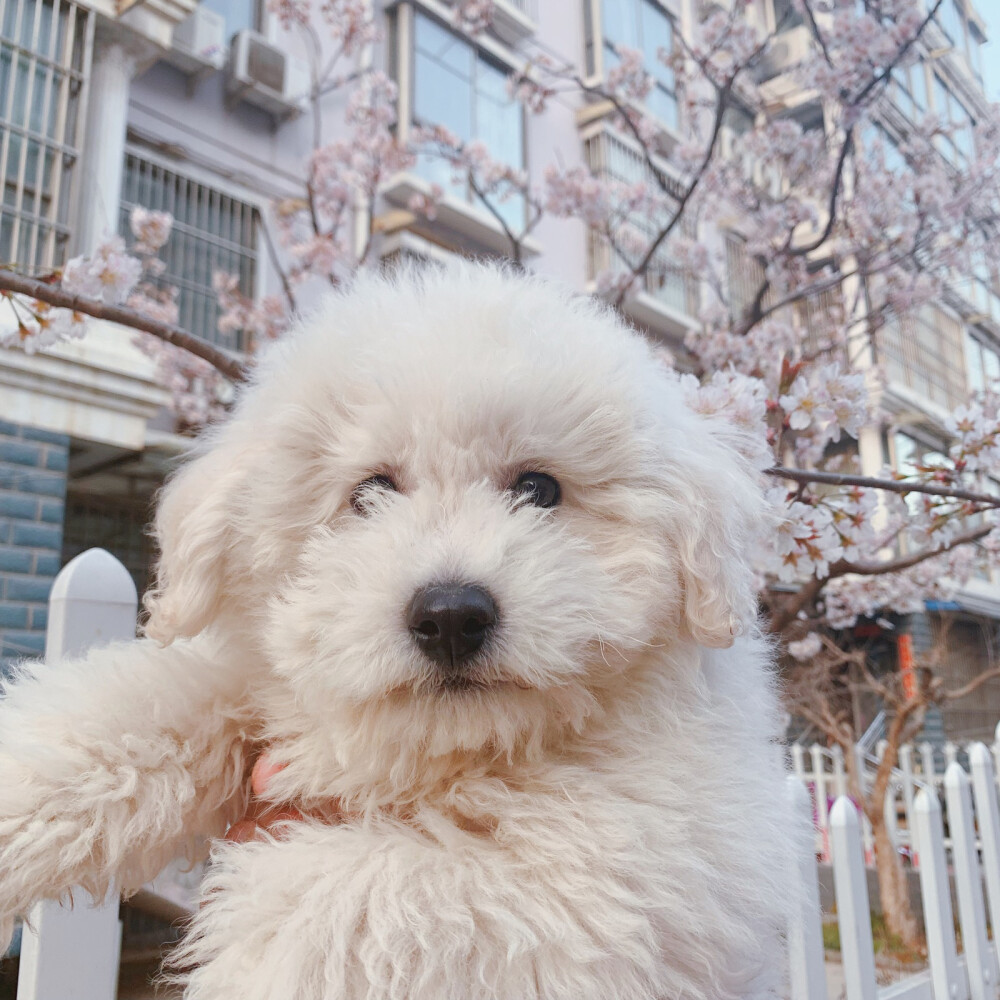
(467, 498)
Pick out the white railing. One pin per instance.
(75, 953)
(823, 770)
(971, 806)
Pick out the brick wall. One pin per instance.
(33, 466)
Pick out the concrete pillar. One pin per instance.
(103, 157)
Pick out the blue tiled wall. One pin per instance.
(33, 467)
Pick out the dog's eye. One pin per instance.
(365, 489)
(538, 489)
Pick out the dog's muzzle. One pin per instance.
(450, 622)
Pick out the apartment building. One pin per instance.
(196, 109)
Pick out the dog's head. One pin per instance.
(466, 495)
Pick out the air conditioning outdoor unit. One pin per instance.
(260, 74)
(199, 42)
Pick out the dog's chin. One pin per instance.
(459, 684)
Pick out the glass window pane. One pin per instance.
(238, 14)
(441, 45)
(443, 68)
(657, 34)
(991, 365)
(620, 22)
(498, 119)
(918, 81)
(974, 363)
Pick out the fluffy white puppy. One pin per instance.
(465, 561)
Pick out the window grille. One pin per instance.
(212, 231)
(744, 278)
(924, 353)
(45, 52)
(612, 159)
(120, 526)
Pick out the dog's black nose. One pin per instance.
(449, 622)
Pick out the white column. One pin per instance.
(103, 157)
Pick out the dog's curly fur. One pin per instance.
(598, 816)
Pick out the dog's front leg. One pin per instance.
(108, 763)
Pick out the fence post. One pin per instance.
(939, 922)
(822, 813)
(984, 790)
(72, 953)
(805, 928)
(928, 764)
(866, 828)
(968, 884)
(853, 912)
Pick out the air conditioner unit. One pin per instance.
(260, 74)
(199, 42)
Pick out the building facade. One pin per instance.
(196, 109)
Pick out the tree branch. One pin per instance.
(973, 685)
(231, 367)
(842, 567)
(890, 485)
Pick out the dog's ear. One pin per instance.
(720, 514)
(195, 530)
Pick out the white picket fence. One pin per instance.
(844, 837)
(824, 771)
(73, 954)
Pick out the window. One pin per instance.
(611, 158)
(744, 277)
(958, 144)
(880, 147)
(238, 14)
(455, 85)
(983, 363)
(976, 42)
(212, 231)
(909, 89)
(44, 46)
(923, 352)
(646, 26)
(984, 291)
(951, 20)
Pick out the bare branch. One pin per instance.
(838, 179)
(984, 500)
(231, 367)
(842, 567)
(973, 685)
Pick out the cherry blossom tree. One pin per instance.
(809, 249)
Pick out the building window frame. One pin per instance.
(947, 105)
(214, 195)
(403, 60)
(608, 153)
(597, 47)
(43, 110)
(982, 360)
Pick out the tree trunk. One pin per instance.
(892, 887)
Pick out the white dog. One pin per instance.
(467, 564)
